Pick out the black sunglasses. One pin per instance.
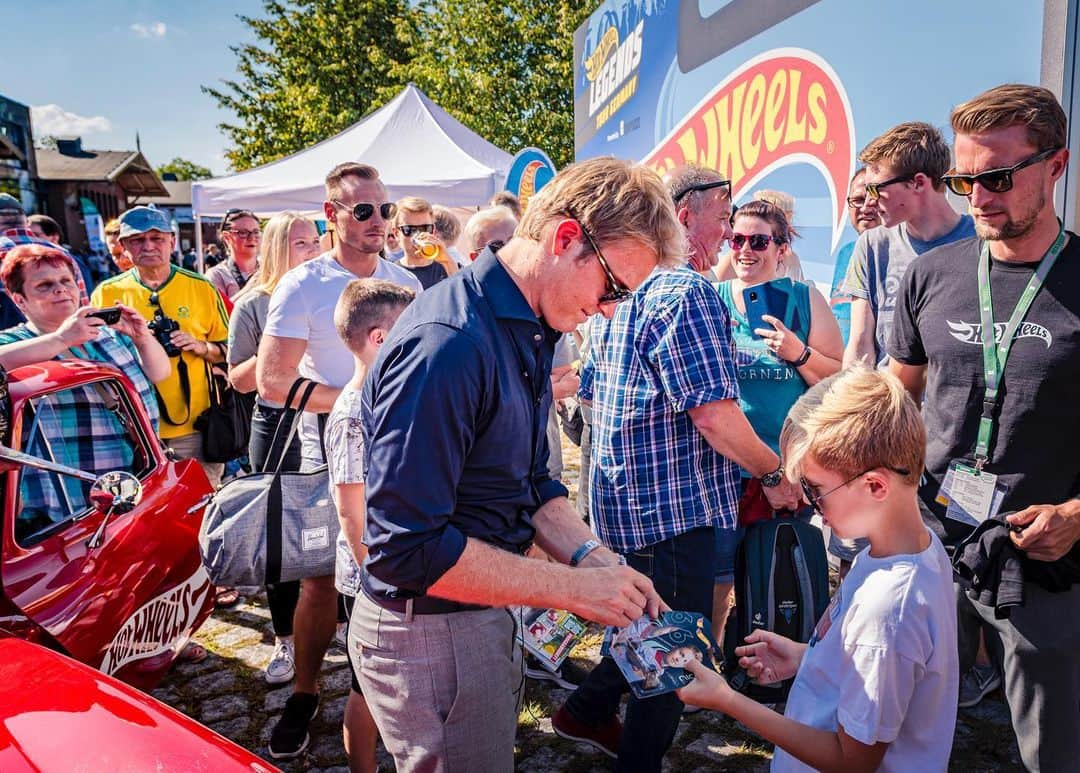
(424, 228)
(702, 187)
(363, 211)
(993, 180)
(617, 291)
(758, 242)
(873, 190)
(814, 500)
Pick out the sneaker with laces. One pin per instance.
(281, 668)
(290, 735)
(568, 676)
(976, 684)
(604, 738)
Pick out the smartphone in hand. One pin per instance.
(770, 298)
(108, 316)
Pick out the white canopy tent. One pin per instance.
(418, 148)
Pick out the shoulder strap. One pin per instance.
(185, 389)
(295, 421)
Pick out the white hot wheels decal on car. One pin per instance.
(158, 624)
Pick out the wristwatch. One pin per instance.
(772, 479)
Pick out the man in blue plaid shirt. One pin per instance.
(668, 440)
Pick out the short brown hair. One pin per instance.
(1011, 104)
(447, 226)
(348, 169)
(508, 200)
(20, 258)
(414, 204)
(47, 225)
(856, 420)
(366, 304)
(771, 214)
(613, 199)
(910, 148)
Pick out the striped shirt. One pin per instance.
(666, 350)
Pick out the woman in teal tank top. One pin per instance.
(775, 364)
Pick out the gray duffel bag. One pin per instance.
(271, 527)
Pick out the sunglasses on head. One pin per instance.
(702, 187)
(617, 291)
(814, 499)
(993, 180)
(873, 190)
(423, 228)
(363, 211)
(758, 242)
(235, 214)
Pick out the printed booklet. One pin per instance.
(650, 653)
(549, 634)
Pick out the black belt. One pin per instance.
(424, 605)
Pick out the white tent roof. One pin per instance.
(418, 148)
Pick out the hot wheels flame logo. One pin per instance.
(783, 107)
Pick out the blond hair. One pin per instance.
(613, 200)
(348, 169)
(853, 421)
(1014, 104)
(910, 148)
(414, 204)
(366, 304)
(273, 254)
(479, 227)
(447, 226)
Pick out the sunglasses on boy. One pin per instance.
(993, 180)
(363, 211)
(814, 499)
(873, 190)
(617, 291)
(423, 228)
(758, 242)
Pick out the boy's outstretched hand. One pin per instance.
(769, 657)
(708, 690)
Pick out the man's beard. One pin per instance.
(1013, 229)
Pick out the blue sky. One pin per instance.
(114, 67)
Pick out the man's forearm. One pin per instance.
(727, 430)
(560, 531)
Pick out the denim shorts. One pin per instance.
(727, 544)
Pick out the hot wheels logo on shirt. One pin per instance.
(784, 107)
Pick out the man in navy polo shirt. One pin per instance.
(456, 406)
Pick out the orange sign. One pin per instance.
(786, 106)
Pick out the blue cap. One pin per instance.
(139, 220)
(7, 201)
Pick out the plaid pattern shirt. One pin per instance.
(79, 428)
(14, 237)
(666, 350)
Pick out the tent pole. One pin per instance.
(198, 244)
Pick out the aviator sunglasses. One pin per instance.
(363, 211)
(993, 180)
(758, 242)
(814, 499)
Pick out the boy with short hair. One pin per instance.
(363, 316)
(876, 686)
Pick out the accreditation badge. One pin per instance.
(970, 495)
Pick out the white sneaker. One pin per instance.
(281, 667)
(341, 636)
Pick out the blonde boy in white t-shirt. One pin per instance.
(364, 314)
(876, 687)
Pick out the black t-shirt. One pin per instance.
(1035, 444)
(428, 275)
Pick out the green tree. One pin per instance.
(319, 66)
(185, 170)
(504, 68)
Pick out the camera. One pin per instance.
(163, 327)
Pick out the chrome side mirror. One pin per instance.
(113, 492)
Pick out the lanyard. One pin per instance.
(996, 354)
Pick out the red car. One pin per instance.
(108, 574)
(57, 715)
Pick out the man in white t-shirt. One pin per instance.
(300, 341)
(875, 688)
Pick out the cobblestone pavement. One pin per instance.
(227, 693)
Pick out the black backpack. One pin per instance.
(781, 585)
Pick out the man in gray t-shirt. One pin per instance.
(904, 167)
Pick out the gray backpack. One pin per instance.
(272, 527)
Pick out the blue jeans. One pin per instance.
(682, 570)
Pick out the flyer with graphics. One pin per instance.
(651, 652)
(550, 634)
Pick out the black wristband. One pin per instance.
(802, 358)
